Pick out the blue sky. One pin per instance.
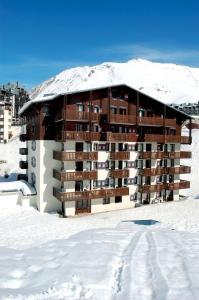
(40, 38)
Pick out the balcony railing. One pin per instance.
(121, 155)
(160, 138)
(23, 164)
(161, 155)
(185, 154)
(164, 170)
(77, 136)
(122, 119)
(77, 116)
(183, 184)
(150, 121)
(155, 121)
(121, 137)
(74, 176)
(87, 195)
(119, 173)
(186, 140)
(74, 156)
(23, 151)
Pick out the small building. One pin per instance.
(103, 149)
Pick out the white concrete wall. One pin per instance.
(43, 171)
(98, 206)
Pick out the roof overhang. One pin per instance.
(51, 96)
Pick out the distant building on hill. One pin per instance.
(16, 95)
(5, 121)
(188, 108)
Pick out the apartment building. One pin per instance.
(5, 122)
(103, 149)
(16, 95)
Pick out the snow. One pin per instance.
(10, 153)
(168, 83)
(103, 256)
(20, 185)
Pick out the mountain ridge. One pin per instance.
(169, 83)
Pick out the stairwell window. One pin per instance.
(33, 162)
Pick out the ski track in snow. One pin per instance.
(134, 262)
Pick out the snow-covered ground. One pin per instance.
(103, 256)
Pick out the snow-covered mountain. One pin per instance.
(169, 83)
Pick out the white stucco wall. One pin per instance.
(43, 170)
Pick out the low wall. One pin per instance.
(11, 199)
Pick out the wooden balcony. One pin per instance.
(121, 155)
(146, 188)
(77, 136)
(74, 176)
(162, 155)
(74, 156)
(186, 140)
(119, 173)
(164, 170)
(87, 195)
(154, 121)
(121, 137)
(23, 151)
(77, 116)
(185, 154)
(160, 138)
(183, 184)
(142, 121)
(122, 119)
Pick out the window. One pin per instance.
(172, 162)
(33, 129)
(100, 183)
(33, 178)
(80, 107)
(96, 109)
(114, 110)
(131, 147)
(160, 147)
(101, 165)
(131, 164)
(106, 200)
(172, 147)
(118, 199)
(129, 181)
(33, 162)
(33, 145)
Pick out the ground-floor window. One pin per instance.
(106, 200)
(118, 199)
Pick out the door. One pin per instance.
(82, 206)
